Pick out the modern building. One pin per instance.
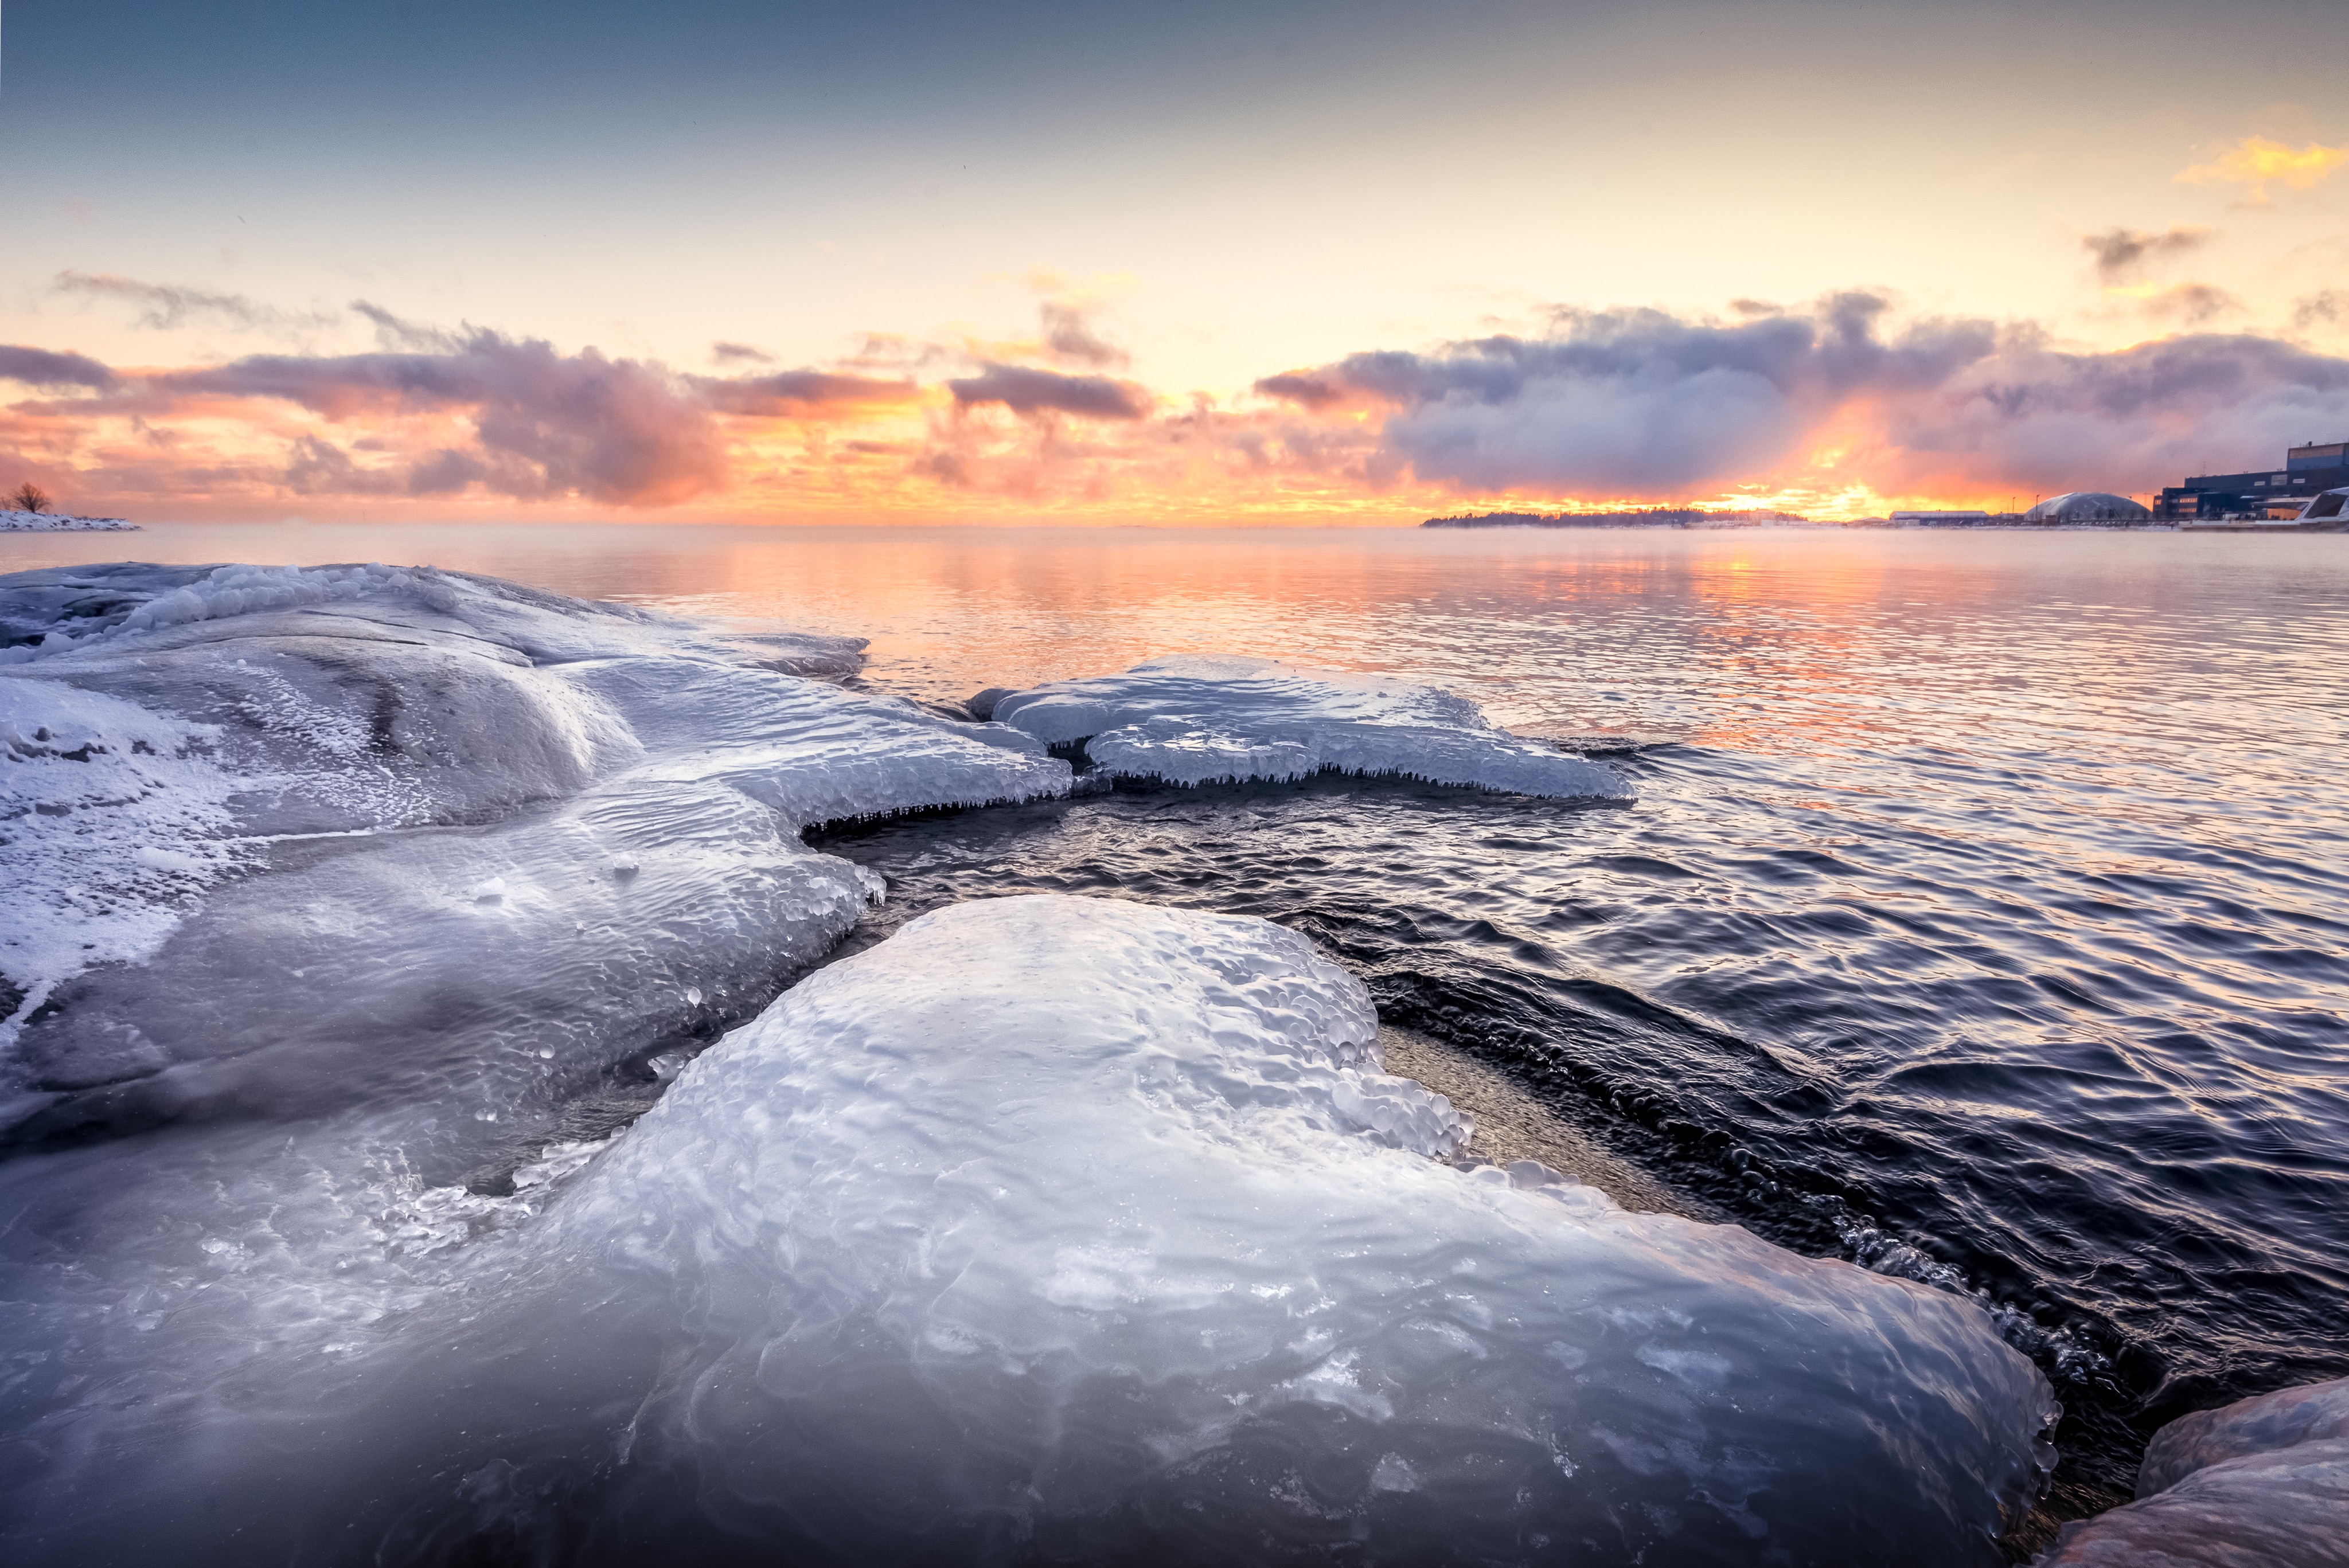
(2307, 472)
(2087, 506)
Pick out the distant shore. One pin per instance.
(59, 523)
(1685, 518)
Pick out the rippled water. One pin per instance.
(1981, 917)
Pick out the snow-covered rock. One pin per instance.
(14, 521)
(1197, 719)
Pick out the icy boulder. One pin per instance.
(283, 838)
(2260, 1484)
(1197, 719)
(1094, 1230)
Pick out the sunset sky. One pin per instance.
(1193, 263)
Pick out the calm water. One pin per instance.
(1981, 917)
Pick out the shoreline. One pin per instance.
(16, 521)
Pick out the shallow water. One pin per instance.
(1980, 917)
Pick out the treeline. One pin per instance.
(1652, 517)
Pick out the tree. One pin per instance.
(29, 496)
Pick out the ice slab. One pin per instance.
(1199, 719)
(2260, 1484)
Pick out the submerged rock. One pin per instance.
(2259, 1483)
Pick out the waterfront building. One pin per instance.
(2307, 472)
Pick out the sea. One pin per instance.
(1981, 918)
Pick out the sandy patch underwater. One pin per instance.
(1050, 1229)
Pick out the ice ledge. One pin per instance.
(1197, 719)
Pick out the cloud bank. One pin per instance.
(1835, 406)
(1641, 404)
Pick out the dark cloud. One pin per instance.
(167, 305)
(397, 333)
(1306, 390)
(2325, 304)
(1641, 403)
(1070, 338)
(1632, 402)
(796, 392)
(2193, 304)
(2043, 420)
(548, 424)
(40, 367)
(726, 353)
(2117, 251)
(1024, 390)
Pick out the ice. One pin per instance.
(1199, 719)
(2260, 1484)
(499, 828)
(1049, 1229)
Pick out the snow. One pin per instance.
(1196, 719)
(1048, 1228)
(2260, 1484)
(13, 521)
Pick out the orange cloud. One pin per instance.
(2258, 162)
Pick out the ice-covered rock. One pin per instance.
(2259, 1483)
(1197, 719)
(1048, 1230)
(383, 743)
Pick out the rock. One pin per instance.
(2260, 1484)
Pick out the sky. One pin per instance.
(1197, 263)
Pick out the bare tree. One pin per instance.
(29, 496)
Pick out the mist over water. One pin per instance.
(1978, 918)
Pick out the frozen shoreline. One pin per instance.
(11, 522)
(481, 871)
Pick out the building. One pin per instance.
(1940, 518)
(2307, 472)
(2087, 507)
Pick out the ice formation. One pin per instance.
(498, 824)
(2260, 1484)
(1196, 719)
(1051, 1229)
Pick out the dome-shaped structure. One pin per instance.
(2087, 506)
